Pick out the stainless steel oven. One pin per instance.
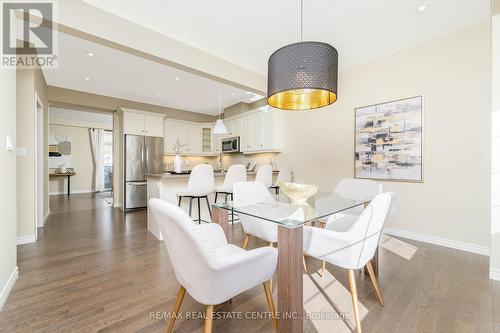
(231, 145)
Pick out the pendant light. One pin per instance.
(219, 127)
(302, 76)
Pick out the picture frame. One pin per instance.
(388, 141)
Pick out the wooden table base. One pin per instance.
(290, 283)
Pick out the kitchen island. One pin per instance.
(166, 186)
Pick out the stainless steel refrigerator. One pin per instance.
(143, 156)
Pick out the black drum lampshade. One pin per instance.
(302, 76)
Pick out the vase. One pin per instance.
(177, 164)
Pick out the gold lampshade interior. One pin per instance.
(302, 99)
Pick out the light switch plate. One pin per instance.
(10, 146)
(20, 151)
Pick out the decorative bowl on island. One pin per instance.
(298, 193)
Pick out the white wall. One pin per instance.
(453, 73)
(8, 268)
(495, 151)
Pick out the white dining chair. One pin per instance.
(284, 176)
(265, 175)
(235, 174)
(200, 184)
(353, 249)
(206, 266)
(350, 188)
(252, 193)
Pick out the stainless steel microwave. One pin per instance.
(231, 145)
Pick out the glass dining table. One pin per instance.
(290, 219)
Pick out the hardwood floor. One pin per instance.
(97, 269)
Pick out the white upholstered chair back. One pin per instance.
(358, 188)
(251, 193)
(354, 248)
(235, 174)
(265, 175)
(201, 180)
(284, 176)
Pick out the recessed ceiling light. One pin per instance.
(177, 78)
(158, 94)
(86, 78)
(422, 8)
(90, 54)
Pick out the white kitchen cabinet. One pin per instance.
(194, 139)
(257, 120)
(133, 123)
(236, 127)
(196, 136)
(246, 134)
(137, 123)
(153, 126)
(260, 131)
(170, 136)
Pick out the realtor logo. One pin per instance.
(28, 34)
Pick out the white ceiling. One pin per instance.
(247, 32)
(119, 74)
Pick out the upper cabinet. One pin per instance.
(153, 125)
(261, 131)
(196, 137)
(136, 123)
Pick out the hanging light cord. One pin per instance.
(219, 103)
(301, 20)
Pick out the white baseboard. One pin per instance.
(72, 192)
(468, 247)
(8, 287)
(26, 240)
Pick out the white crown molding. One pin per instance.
(495, 274)
(8, 287)
(450, 243)
(26, 240)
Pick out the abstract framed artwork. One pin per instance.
(388, 141)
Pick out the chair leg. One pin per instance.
(199, 212)
(209, 318)
(245, 241)
(209, 209)
(180, 198)
(216, 193)
(225, 198)
(354, 294)
(373, 277)
(304, 263)
(270, 303)
(323, 269)
(177, 306)
(190, 205)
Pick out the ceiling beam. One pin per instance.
(83, 20)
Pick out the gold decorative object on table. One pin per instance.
(298, 193)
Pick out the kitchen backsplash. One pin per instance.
(229, 159)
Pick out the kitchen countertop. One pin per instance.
(174, 176)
